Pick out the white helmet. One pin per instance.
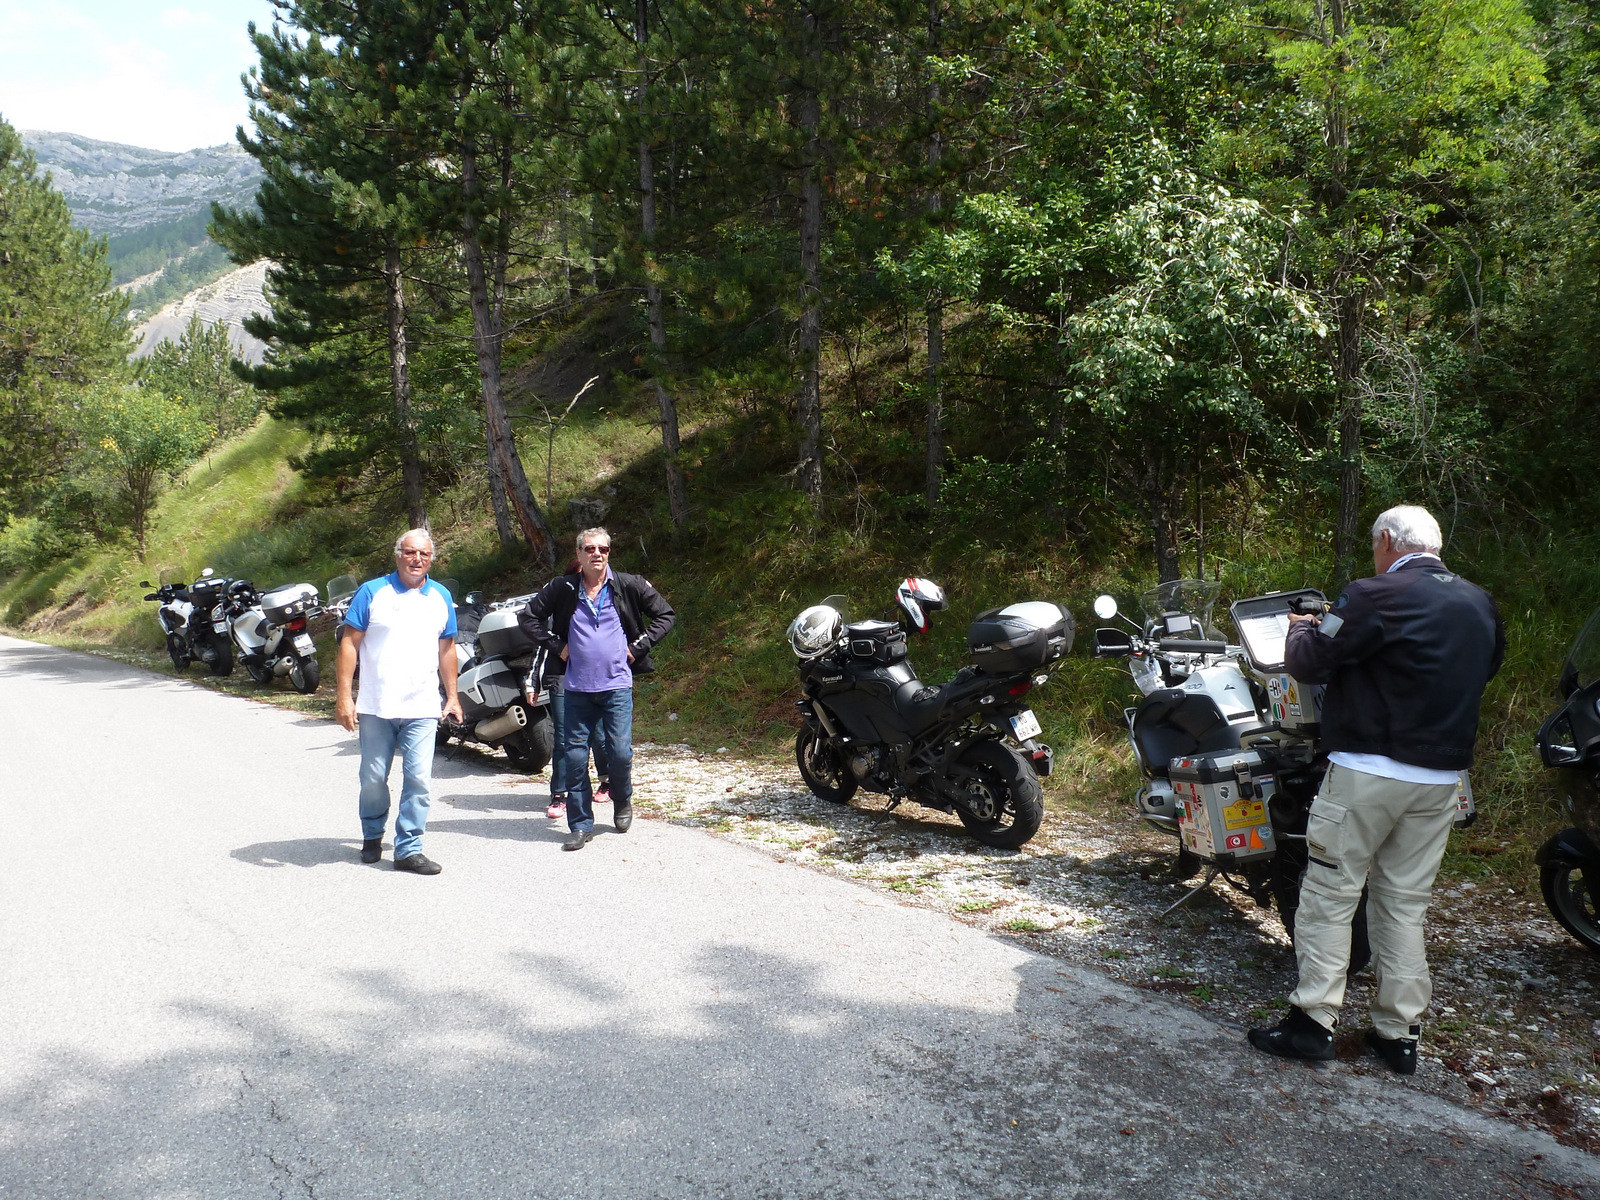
(815, 630)
(917, 597)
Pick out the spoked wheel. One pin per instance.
(305, 675)
(1004, 804)
(1569, 895)
(1286, 878)
(822, 766)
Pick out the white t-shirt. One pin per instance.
(399, 654)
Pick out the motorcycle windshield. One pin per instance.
(342, 587)
(175, 575)
(840, 605)
(1583, 661)
(1182, 608)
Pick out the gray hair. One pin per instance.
(1411, 529)
(413, 533)
(596, 531)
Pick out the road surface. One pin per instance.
(204, 994)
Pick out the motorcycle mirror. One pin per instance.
(1105, 607)
(145, 583)
(207, 573)
(472, 598)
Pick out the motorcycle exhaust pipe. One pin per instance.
(507, 723)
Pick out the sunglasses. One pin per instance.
(596, 549)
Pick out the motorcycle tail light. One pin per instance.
(296, 625)
(1019, 689)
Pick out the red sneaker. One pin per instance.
(557, 809)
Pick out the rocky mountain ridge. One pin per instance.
(115, 189)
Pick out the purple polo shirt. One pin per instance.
(597, 646)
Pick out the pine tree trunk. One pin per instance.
(677, 499)
(934, 467)
(503, 528)
(487, 329)
(808, 410)
(400, 379)
(1348, 389)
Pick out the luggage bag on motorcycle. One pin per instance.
(879, 642)
(1222, 806)
(282, 604)
(1019, 637)
(499, 635)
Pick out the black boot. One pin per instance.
(1399, 1053)
(1296, 1036)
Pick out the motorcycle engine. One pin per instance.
(866, 762)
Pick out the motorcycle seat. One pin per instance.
(1171, 723)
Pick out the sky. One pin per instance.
(141, 72)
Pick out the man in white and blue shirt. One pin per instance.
(401, 629)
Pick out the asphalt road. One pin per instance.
(204, 994)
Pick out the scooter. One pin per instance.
(1569, 743)
(500, 682)
(269, 633)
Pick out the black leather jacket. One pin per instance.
(1406, 662)
(548, 616)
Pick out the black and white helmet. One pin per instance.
(917, 598)
(815, 630)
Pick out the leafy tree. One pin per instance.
(134, 438)
(61, 326)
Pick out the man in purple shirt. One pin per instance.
(602, 625)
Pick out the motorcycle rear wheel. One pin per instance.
(533, 747)
(1570, 897)
(305, 675)
(822, 767)
(1007, 802)
(221, 662)
(260, 672)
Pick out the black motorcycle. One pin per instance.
(968, 747)
(194, 620)
(1569, 743)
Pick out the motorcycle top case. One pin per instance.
(499, 635)
(283, 604)
(880, 642)
(1019, 637)
(1222, 806)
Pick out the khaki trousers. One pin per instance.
(1390, 836)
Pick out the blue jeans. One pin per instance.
(587, 712)
(380, 738)
(597, 743)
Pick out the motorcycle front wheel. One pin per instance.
(822, 766)
(178, 652)
(1570, 897)
(259, 671)
(305, 675)
(221, 660)
(1005, 804)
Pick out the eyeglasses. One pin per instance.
(596, 549)
(424, 554)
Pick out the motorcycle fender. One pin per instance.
(1569, 848)
(1040, 756)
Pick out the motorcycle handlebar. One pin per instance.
(1188, 646)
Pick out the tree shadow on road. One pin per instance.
(732, 1072)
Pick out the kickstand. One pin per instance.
(894, 803)
(1211, 874)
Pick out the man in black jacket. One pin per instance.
(1406, 655)
(602, 625)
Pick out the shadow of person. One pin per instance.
(300, 852)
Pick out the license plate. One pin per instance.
(302, 643)
(1024, 725)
